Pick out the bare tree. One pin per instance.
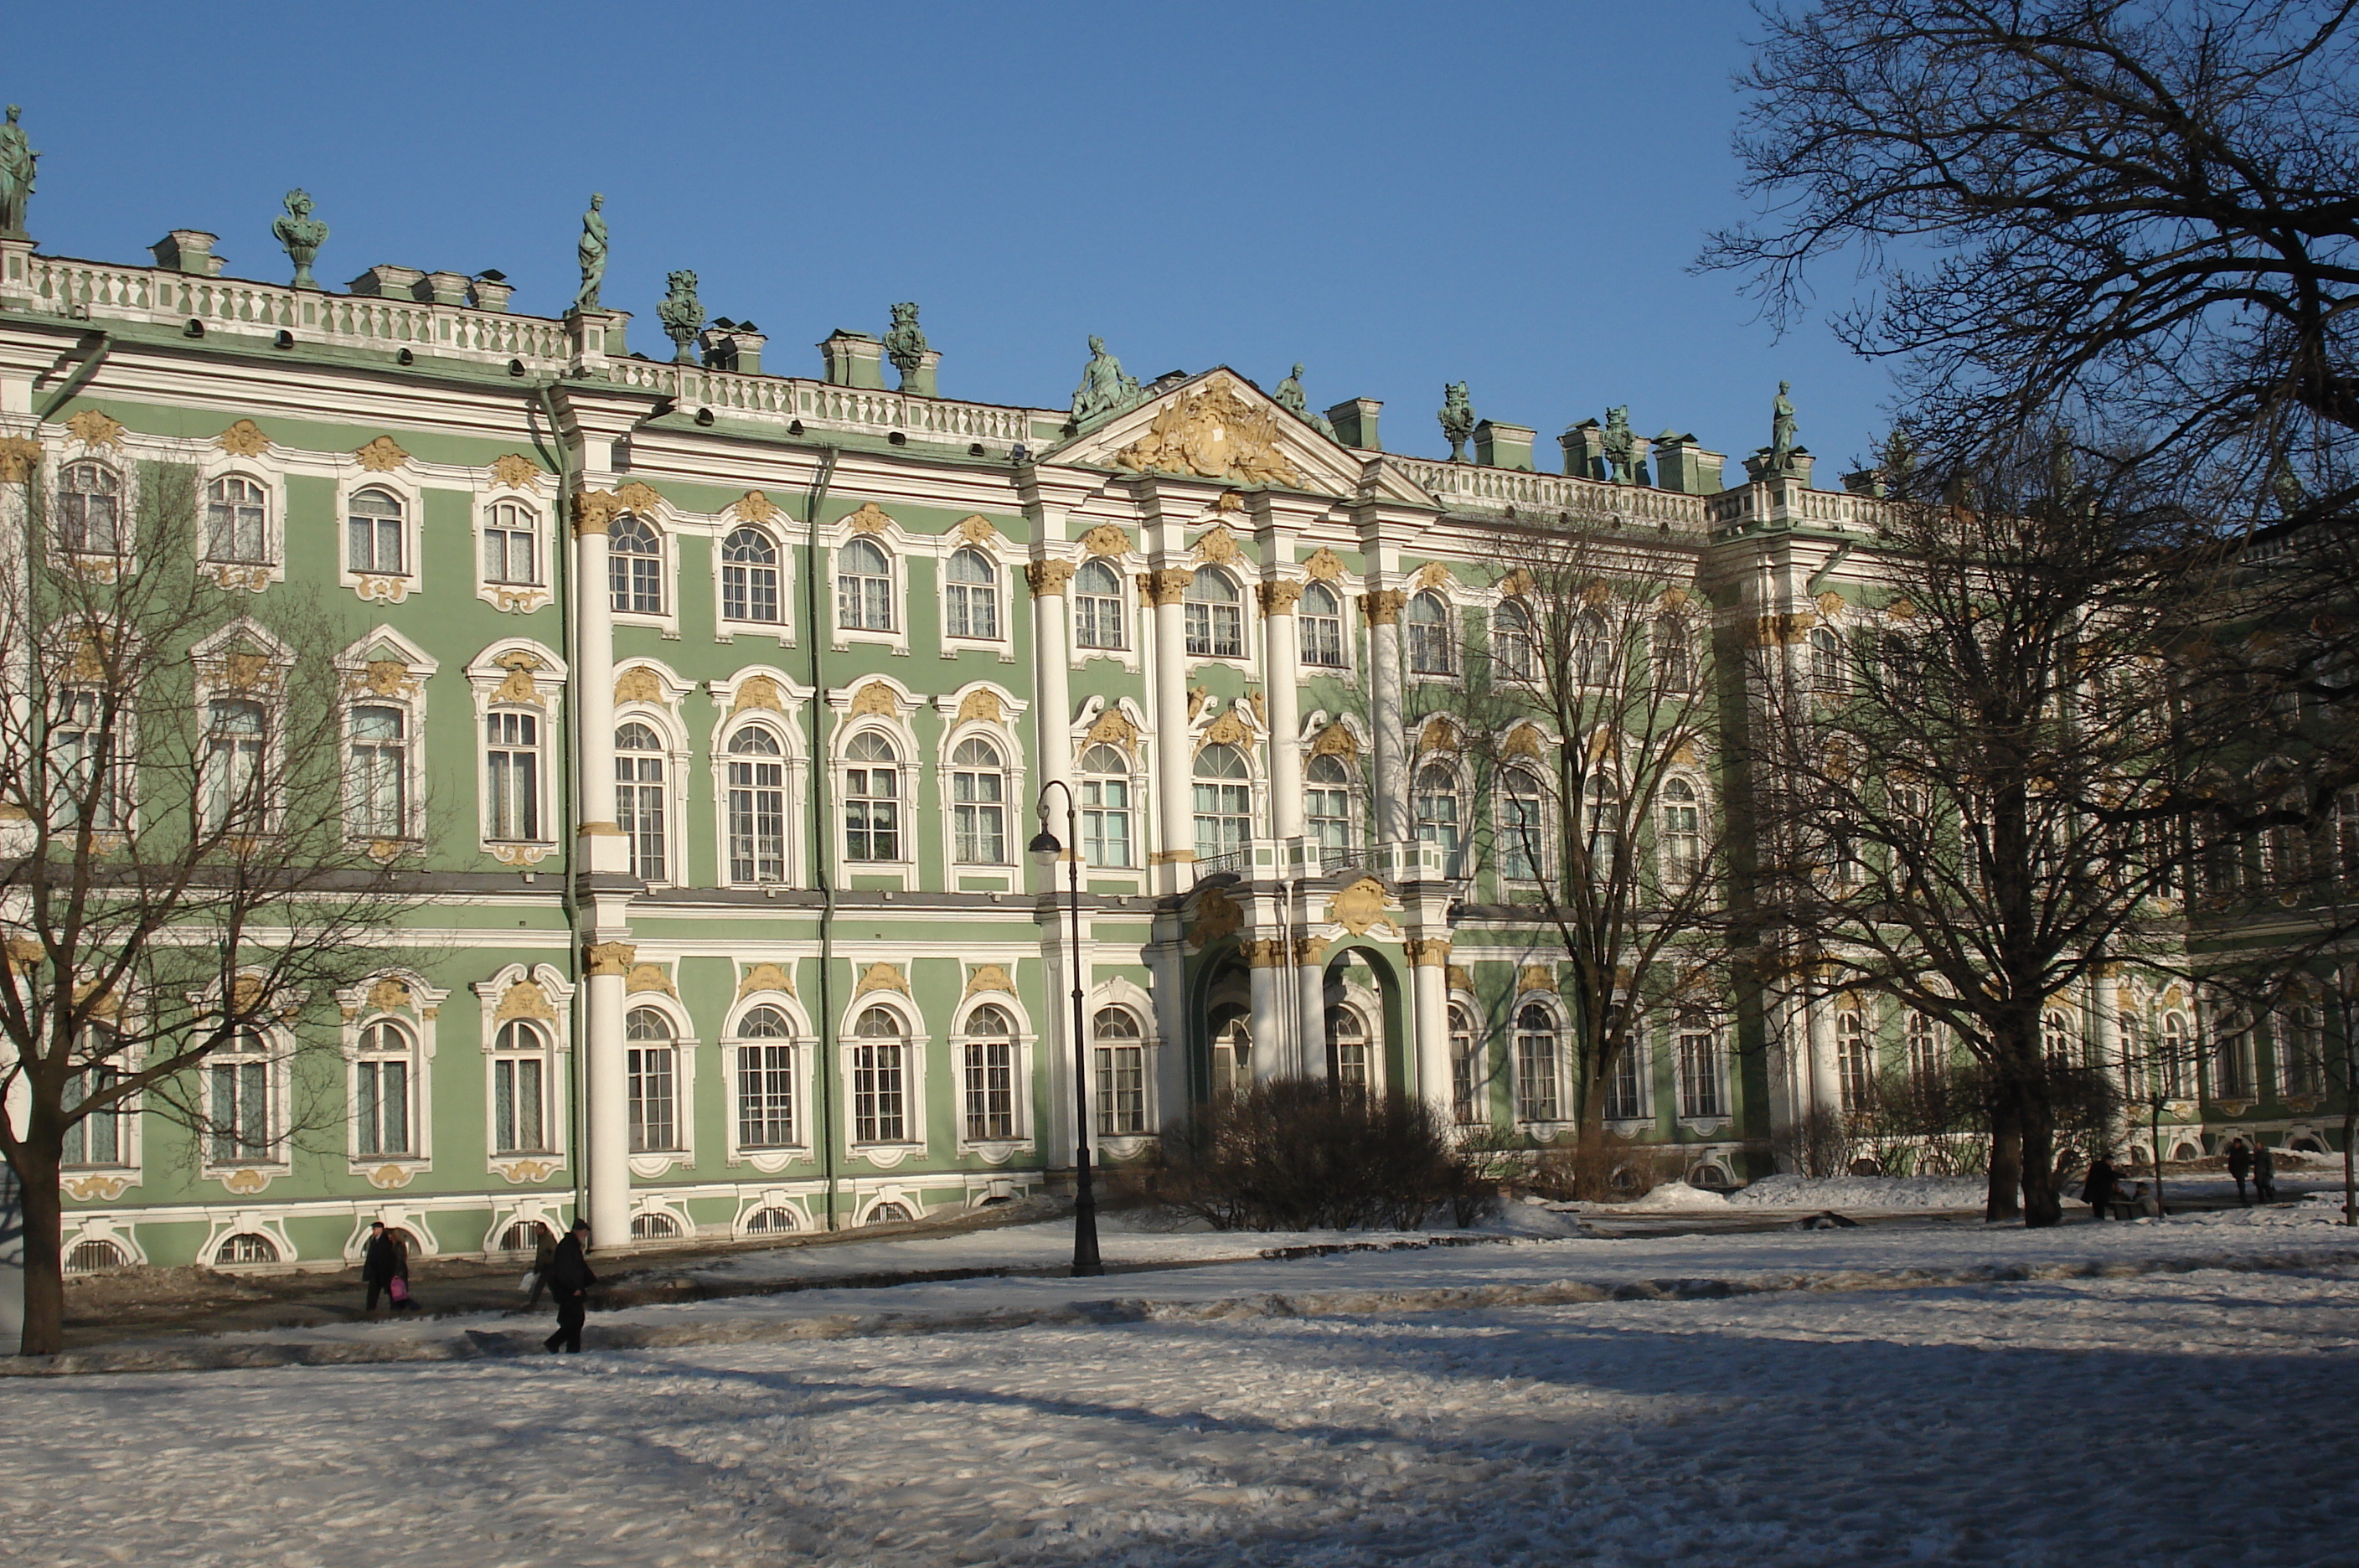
(1590, 711)
(185, 873)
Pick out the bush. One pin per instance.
(1296, 1154)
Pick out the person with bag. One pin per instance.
(569, 1279)
(2265, 1173)
(2240, 1166)
(535, 1279)
(2098, 1191)
(384, 1269)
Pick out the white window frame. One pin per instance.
(898, 547)
(1722, 1090)
(1134, 1000)
(515, 598)
(671, 750)
(1343, 667)
(211, 660)
(731, 627)
(885, 1153)
(383, 587)
(654, 1163)
(1549, 1009)
(364, 1006)
(1452, 656)
(909, 764)
(1124, 603)
(252, 576)
(491, 994)
(279, 1048)
(365, 684)
(1020, 1039)
(1638, 1060)
(1241, 603)
(726, 759)
(657, 521)
(498, 687)
(1002, 601)
(800, 1042)
(1254, 815)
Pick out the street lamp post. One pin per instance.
(1045, 850)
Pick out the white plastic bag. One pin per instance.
(530, 1281)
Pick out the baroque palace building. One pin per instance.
(716, 702)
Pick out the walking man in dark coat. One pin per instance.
(383, 1261)
(569, 1280)
(2099, 1191)
(2240, 1165)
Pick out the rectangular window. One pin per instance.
(978, 819)
(766, 1096)
(990, 1090)
(380, 773)
(508, 555)
(757, 822)
(517, 1119)
(79, 745)
(234, 765)
(1625, 1093)
(1224, 818)
(376, 543)
(1464, 1105)
(1215, 631)
(1519, 835)
(234, 523)
(1536, 1085)
(1122, 1089)
(382, 1107)
(640, 813)
(1105, 822)
(654, 1125)
(879, 1113)
(512, 756)
(241, 1110)
(871, 819)
(1322, 640)
(97, 1138)
(1700, 1088)
(1097, 622)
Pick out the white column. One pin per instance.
(1053, 670)
(1826, 1074)
(1311, 999)
(1264, 958)
(2104, 996)
(1383, 608)
(1428, 983)
(1175, 827)
(1167, 965)
(607, 1114)
(1282, 679)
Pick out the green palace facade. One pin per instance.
(715, 702)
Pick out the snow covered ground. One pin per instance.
(1930, 1391)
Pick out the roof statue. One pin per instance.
(16, 161)
(301, 236)
(592, 252)
(904, 342)
(682, 313)
(1781, 431)
(1457, 417)
(1289, 397)
(1620, 446)
(1105, 390)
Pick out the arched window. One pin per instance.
(1702, 1090)
(1830, 666)
(1511, 641)
(1675, 659)
(1107, 834)
(971, 590)
(234, 779)
(879, 1078)
(1465, 1068)
(1682, 835)
(1523, 825)
(1215, 621)
(87, 748)
(1428, 621)
(1320, 620)
(1437, 816)
(1327, 802)
(639, 798)
(864, 587)
(1600, 823)
(757, 806)
(2301, 1050)
(512, 776)
(243, 1111)
(1928, 1056)
(978, 804)
(771, 1221)
(373, 541)
(377, 801)
(1347, 1050)
(247, 1246)
(1098, 618)
(520, 1089)
(1224, 801)
(90, 509)
(1855, 1060)
(97, 1138)
(2173, 1056)
(989, 1067)
(1593, 648)
(1626, 1086)
(95, 1256)
(635, 568)
(654, 1226)
(2056, 1038)
(1232, 1054)
(749, 577)
(652, 1063)
(872, 804)
(380, 1091)
(766, 1080)
(1121, 1061)
(511, 544)
(1538, 1087)
(238, 517)
(889, 1213)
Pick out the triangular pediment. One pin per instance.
(1218, 426)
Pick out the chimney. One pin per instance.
(732, 345)
(1355, 423)
(854, 359)
(389, 282)
(190, 251)
(446, 287)
(491, 290)
(1503, 446)
(1680, 464)
(1584, 450)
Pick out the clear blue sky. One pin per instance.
(1396, 195)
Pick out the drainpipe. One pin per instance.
(814, 635)
(79, 378)
(560, 562)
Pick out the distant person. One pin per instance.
(2264, 1174)
(2240, 1165)
(2098, 1191)
(568, 1279)
(384, 1261)
(2143, 1200)
(544, 1251)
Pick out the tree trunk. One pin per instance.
(2042, 1200)
(45, 1276)
(2000, 1203)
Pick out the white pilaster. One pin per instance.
(607, 1116)
(603, 847)
(1283, 682)
(1383, 607)
(1054, 669)
(1175, 827)
(1428, 983)
(1264, 958)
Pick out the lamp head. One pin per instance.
(1045, 847)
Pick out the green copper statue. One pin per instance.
(682, 313)
(16, 161)
(1289, 397)
(1105, 390)
(301, 236)
(904, 342)
(592, 253)
(1620, 446)
(1781, 431)
(1457, 417)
